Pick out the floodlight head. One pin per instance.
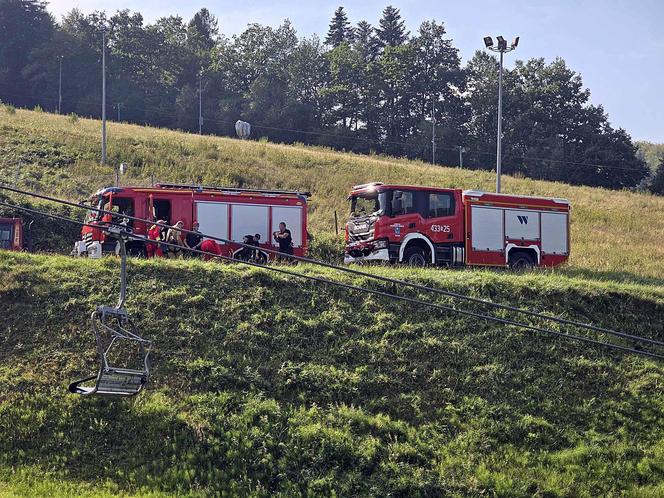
(502, 43)
(515, 43)
(488, 42)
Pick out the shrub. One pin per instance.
(38, 108)
(10, 109)
(327, 246)
(657, 183)
(73, 118)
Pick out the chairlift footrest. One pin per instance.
(108, 311)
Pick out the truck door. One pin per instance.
(441, 213)
(404, 218)
(160, 209)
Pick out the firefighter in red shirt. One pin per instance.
(155, 233)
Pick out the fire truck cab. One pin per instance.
(224, 212)
(444, 226)
(11, 234)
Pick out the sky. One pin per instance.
(617, 46)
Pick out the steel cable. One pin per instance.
(284, 271)
(421, 287)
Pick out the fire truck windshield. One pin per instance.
(368, 204)
(97, 202)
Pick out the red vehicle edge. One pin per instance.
(11, 234)
(445, 226)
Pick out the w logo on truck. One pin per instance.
(523, 220)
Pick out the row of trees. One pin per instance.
(362, 88)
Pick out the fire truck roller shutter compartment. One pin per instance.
(522, 224)
(292, 216)
(249, 219)
(213, 218)
(487, 229)
(554, 233)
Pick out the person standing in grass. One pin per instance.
(195, 239)
(174, 237)
(285, 240)
(155, 233)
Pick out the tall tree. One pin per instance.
(24, 26)
(365, 41)
(340, 30)
(437, 85)
(392, 31)
(202, 31)
(342, 93)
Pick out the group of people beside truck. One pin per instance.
(175, 242)
(171, 242)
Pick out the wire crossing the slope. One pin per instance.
(382, 293)
(351, 271)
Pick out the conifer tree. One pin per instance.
(392, 31)
(340, 30)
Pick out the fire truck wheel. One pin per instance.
(521, 261)
(415, 256)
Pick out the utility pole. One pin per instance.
(502, 48)
(60, 88)
(499, 139)
(118, 106)
(433, 132)
(200, 102)
(103, 97)
(461, 151)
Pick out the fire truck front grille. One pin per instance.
(360, 236)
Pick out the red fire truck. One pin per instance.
(443, 226)
(11, 234)
(224, 212)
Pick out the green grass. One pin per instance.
(616, 235)
(271, 387)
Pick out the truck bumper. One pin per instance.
(85, 248)
(377, 255)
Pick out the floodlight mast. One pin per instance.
(502, 48)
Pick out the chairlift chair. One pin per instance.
(114, 335)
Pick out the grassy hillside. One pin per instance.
(269, 387)
(618, 235)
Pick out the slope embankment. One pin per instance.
(266, 386)
(615, 235)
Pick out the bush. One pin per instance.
(327, 246)
(10, 109)
(38, 108)
(657, 183)
(73, 118)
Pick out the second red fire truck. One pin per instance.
(442, 226)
